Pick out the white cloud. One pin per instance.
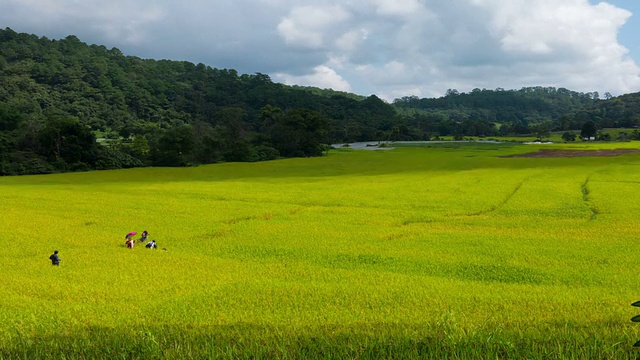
(323, 77)
(548, 26)
(131, 29)
(352, 40)
(397, 7)
(307, 26)
(568, 43)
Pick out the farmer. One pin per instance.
(152, 245)
(55, 259)
(144, 236)
(129, 240)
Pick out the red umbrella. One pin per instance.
(130, 234)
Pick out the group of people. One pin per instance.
(130, 241)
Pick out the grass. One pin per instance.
(441, 252)
(555, 137)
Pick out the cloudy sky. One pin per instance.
(391, 48)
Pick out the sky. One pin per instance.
(390, 48)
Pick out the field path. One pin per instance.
(587, 200)
(503, 202)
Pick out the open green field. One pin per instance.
(442, 252)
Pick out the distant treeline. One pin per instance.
(531, 110)
(57, 97)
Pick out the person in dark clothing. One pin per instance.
(151, 245)
(55, 259)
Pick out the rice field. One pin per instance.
(443, 252)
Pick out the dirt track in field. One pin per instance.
(576, 153)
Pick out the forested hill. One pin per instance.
(535, 104)
(175, 113)
(528, 110)
(58, 96)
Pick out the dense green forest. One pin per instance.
(530, 110)
(66, 106)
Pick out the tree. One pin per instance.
(139, 147)
(175, 147)
(451, 92)
(541, 130)
(569, 136)
(589, 130)
(604, 137)
(67, 141)
(299, 132)
(9, 118)
(563, 122)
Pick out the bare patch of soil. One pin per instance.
(576, 153)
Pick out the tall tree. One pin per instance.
(175, 147)
(299, 132)
(67, 140)
(589, 130)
